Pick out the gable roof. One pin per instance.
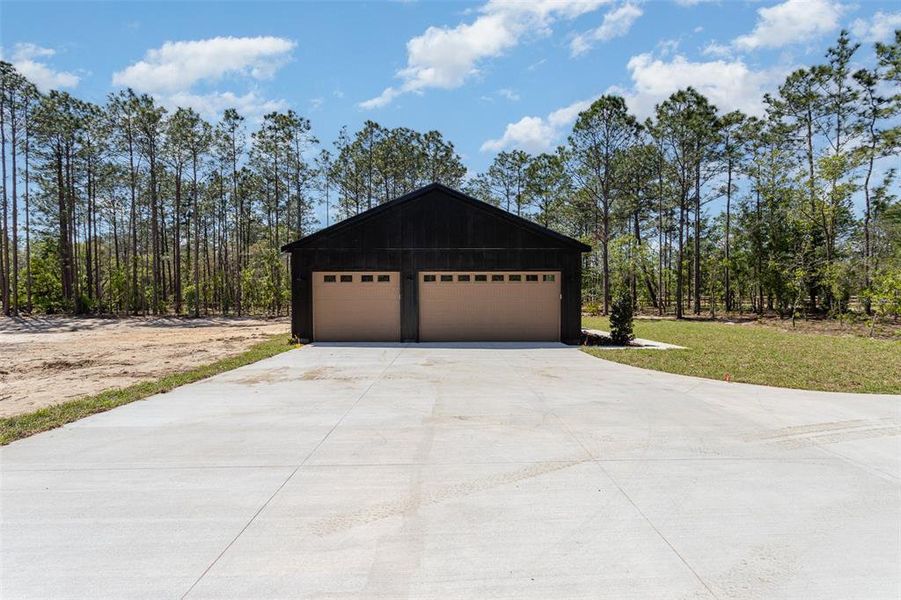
(514, 220)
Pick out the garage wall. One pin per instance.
(411, 262)
(436, 232)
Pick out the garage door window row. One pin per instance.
(495, 277)
(350, 278)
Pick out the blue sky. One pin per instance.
(489, 75)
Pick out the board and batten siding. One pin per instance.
(434, 229)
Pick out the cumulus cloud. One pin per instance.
(176, 66)
(213, 104)
(445, 57)
(791, 22)
(31, 61)
(616, 23)
(537, 134)
(878, 28)
(172, 72)
(729, 84)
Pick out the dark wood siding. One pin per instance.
(436, 231)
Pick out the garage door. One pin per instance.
(489, 306)
(360, 306)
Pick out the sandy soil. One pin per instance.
(48, 360)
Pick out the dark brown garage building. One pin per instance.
(436, 265)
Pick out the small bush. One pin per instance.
(592, 308)
(621, 320)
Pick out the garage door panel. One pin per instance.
(489, 306)
(356, 306)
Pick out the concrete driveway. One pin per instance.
(438, 471)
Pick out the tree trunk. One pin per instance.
(176, 243)
(680, 258)
(154, 235)
(136, 301)
(697, 241)
(196, 240)
(4, 231)
(62, 206)
(28, 282)
(727, 285)
(15, 208)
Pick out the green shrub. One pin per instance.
(592, 308)
(621, 320)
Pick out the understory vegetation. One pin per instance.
(51, 417)
(766, 355)
(130, 207)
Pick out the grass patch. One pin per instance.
(752, 353)
(51, 417)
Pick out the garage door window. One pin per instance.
(549, 278)
(329, 279)
(347, 278)
(481, 278)
(515, 278)
(462, 277)
(384, 278)
(447, 278)
(366, 278)
(531, 277)
(428, 278)
(497, 278)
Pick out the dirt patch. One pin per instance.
(49, 360)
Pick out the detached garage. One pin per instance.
(436, 265)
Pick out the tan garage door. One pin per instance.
(489, 306)
(360, 306)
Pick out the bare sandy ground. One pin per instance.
(48, 360)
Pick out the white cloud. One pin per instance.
(880, 26)
(714, 48)
(616, 23)
(532, 134)
(29, 60)
(537, 134)
(691, 2)
(729, 84)
(508, 94)
(173, 72)
(445, 57)
(177, 66)
(791, 22)
(212, 104)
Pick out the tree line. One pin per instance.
(130, 208)
(787, 238)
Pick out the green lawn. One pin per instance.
(20, 426)
(763, 355)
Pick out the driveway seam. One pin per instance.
(613, 480)
(296, 469)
